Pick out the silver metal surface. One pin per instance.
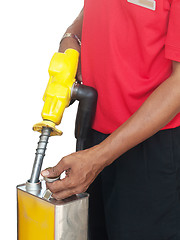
(52, 200)
(33, 186)
(71, 220)
(40, 153)
(47, 194)
(50, 180)
(71, 35)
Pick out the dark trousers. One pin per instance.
(137, 197)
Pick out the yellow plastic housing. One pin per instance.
(62, 72)
(55, 132)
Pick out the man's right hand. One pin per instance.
(72, 43)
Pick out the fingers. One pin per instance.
(58, 185)
(63, 194)
(68, 192)
(54, 171)
(65, 188)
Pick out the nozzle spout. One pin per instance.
(40, 153)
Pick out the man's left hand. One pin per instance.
(81, 169)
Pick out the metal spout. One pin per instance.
(40, 153)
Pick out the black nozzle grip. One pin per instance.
(87, 97)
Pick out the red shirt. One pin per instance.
(127, 52)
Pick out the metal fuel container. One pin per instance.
(43, 218)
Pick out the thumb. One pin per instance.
(53, 171)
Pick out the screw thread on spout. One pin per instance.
(40, 153)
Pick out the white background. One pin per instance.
(30, 34)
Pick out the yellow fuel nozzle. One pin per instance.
(62, 72)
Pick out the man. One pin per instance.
(130, 53)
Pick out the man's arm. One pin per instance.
(157, 111)
(84, 166)
(75, 28)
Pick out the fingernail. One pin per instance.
(45, 173)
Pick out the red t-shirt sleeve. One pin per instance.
(172, 46)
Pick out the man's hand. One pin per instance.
(81, 169)
(72, 43)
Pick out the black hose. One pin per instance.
(87, 97)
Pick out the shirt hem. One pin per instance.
(172, 53)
